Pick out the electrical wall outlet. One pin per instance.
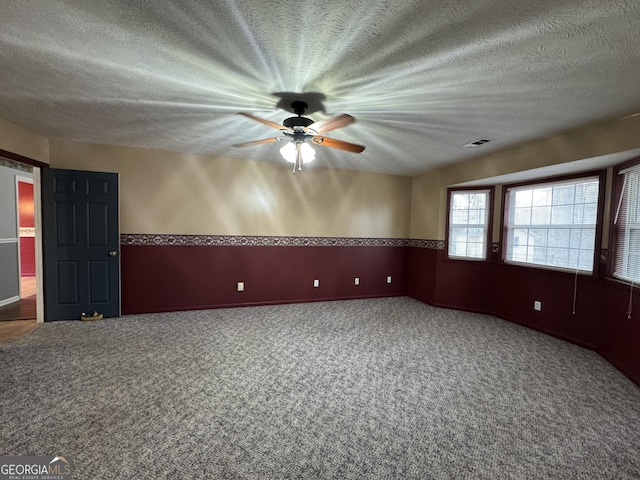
(537, 305)
(316, 283)
(241, 286)
(356, 281)
(389, 279)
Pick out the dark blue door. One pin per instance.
(81, 244)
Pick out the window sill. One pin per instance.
(477, 261)
(621, 284)
(546, 270)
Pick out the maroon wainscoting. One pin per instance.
(465, 285)
(158, 278)
(516, 288)
(421, 274)
(170, 278)
(619, 334)
(508, 291)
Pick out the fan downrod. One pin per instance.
(298, 108)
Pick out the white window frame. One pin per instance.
(585, 229)
(452, 225)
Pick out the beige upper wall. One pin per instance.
(429, 191)
(229, 197)
(18, 140)
(173, 193)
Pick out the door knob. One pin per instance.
(113, 253)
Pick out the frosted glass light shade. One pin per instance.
(308, 154)
(289, 152)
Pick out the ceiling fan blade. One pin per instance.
(257, 142)
(339, 144)
(269, 123)
(332, 123)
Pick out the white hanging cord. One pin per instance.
(575, 292)
(297, 160)
(630, 305)
(624, 184)
(575, 280)
(622, 195)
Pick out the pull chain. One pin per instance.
(630, 305)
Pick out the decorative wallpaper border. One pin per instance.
(5, 162)
(138, 239)
(420, 243)
(255, 241)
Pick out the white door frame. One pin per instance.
(37, 204)
(37, 217)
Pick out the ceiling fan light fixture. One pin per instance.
(290, 152)
(307, 152)
(301, 132)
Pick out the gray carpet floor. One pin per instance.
(362, 389)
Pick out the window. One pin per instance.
(468, 224)
(553, 224)
(626, 222)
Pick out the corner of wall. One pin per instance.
(22, 142)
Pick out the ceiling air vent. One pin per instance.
(477, 143)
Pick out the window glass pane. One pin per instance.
(586, 260)
(468, 208)
(458, 249)
(580, 192)
(564, 220)
(591, 192)
(460, 217)
(542, 197)
(476, 234)
(476, 217)
(460, 201)
(536, 254)
(539, 236)
(559, 237)
(479, 200)
(523, 198)
(522, 216)
(563, 195)
(558, 257)
(540, 215)
(562, 215)
(475, 250)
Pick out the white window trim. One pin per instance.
(485, 226)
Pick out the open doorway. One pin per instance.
(20, 281)
(27, 245)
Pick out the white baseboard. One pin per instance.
(9, 300)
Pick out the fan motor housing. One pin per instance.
(297, 122)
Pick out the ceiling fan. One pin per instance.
(301, 131)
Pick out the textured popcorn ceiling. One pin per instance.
(422, 77)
